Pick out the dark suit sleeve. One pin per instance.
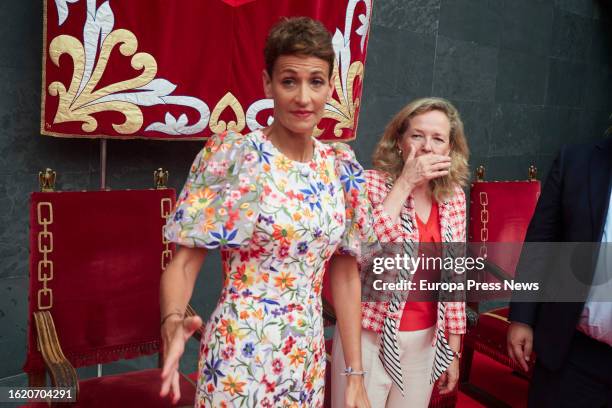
(545, 226)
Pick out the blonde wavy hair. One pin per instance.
(387, 158)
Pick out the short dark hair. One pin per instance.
(298, 36)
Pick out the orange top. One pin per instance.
(421, 315)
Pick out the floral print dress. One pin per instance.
(277, 222)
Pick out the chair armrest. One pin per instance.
(471, 315)
(190, 312)
(496, 271)
(61, 371)
(492, 267)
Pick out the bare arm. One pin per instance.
(454, 341)
(345, 285)
(346, 289)
(449, 379)
(179, 278)
(176, 287)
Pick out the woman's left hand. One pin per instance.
(448, 379)
(355, 395)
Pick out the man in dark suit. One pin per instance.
(572, 341)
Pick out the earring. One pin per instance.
(400, 151)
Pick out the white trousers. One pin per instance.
(416, 358)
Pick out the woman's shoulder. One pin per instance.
(377, 179)
(378, 185)
(221, 142)
(457, 200)
(231, 138)
(226, 138)
(346, 163)
(254, 136)
(458, 193)
(377, 175)
(341, 151)
(225, 154)
(227, 144)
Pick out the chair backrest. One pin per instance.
(95, 264)
(500, 212)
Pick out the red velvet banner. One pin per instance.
(183, 69)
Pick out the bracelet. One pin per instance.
(168, 315)
(457, 355)
(349, 371)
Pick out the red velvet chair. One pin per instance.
(500, 211)
(95, 264)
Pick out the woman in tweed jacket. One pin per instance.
(416, 194)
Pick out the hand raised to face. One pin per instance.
(420, 170)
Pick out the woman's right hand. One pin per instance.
(175, 333)
(419, 170)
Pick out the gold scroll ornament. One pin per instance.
(80, 107)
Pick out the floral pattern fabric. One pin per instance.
(277, 222)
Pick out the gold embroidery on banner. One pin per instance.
(218, 126)
(343, 109)
(166, 256)
(44, 216)
(73, 107)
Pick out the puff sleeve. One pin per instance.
(359, 232)
(218, 205)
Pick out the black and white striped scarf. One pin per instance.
(389, 352)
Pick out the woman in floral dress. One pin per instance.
(280, 205)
